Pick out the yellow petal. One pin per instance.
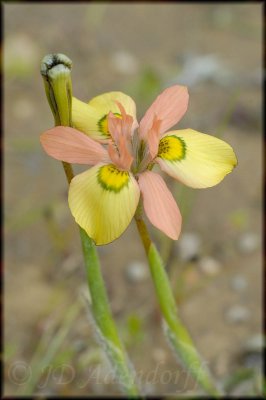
(196, 159)
(91, 118)
(103, 200)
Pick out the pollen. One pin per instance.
(112, 179)
(103, 124)
(172, 148)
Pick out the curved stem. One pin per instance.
(176, 332)
(108, 334)
(55, 69)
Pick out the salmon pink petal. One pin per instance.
(129, 124)
(68, 144)
(159, 204)
(153, 137)
(169, 106)
(120, 130)
(123, 159)
(114, 126)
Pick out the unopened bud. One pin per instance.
(56, 73)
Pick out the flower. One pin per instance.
(122, 153)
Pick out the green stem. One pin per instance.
(55, 69)
(101, 311)
(68, 171)
(176, 332)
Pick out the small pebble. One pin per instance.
(137, 271)
(209, 266)
(237, 314)
(254, 343)
(199, 68)
(248, 242)
(124, 62)
(253, 360)
(252, 352)
(238, 283)
(189, 246)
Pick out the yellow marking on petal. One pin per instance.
(207, 159)
(103, 124)
(172, 148)
(103, 207)
(91, 118)
(111, 178)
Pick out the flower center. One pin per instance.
(141, 159)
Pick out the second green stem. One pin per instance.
(176, 332)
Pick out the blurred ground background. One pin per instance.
(215, 267)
